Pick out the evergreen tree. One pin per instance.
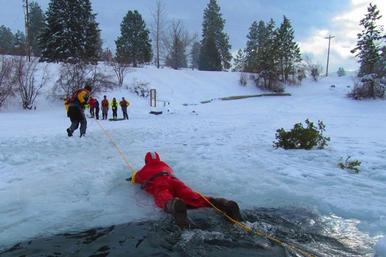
(210, 58)
(36, 26)
(341, 72)
(252, 49)
(133, 45)
(239, 62)
(288, 50)
(381, 64)
(263, 43)
(368, 49)
(19, 46)
(7, 40)
(71, 33)
(215, 42)
(269, 57)
(195, 55)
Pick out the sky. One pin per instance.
(312, 20)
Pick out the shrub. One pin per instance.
(368, 86)
(341, 72)
(73, 76)
(27, 80)
(243, 81)
(6, 86)
(352, 165)
(315, 72)
(301, 137)
(140, 88)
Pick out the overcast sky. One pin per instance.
(312, 20)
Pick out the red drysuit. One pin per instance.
(157, 178)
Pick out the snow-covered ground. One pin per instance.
(50, 183)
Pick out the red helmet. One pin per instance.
(152, 157)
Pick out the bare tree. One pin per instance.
(177, 41)
(120, 70)
(6, 88)
(74, 76)
(314, 69)
(28, 82)
(158, 28)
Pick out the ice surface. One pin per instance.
(51, 184)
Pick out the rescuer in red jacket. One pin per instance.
(172, 195)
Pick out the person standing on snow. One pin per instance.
(96, 108)
(105, 107)
(76, 110)
(91, 103)
(172, 195)
(114, 108)
(124, 104)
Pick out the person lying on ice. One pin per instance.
(172, 195)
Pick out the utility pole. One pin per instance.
(27, 29)
(328, 54)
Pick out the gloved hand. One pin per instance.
(129, 179)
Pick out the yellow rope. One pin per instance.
(108, 135)
(250, 230)
(241, 225)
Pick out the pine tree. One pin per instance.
(215, 48)
(133, 45)
(263, 44)
(7, 40)
(269, 57)
(368, 49)
(239, 62)
(195, 55)
(71, 33)
(252, 49)
(288, 50)
(381, 64)
(36, 26)
(19, 43)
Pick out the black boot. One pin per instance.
(231, 208)
(178, 209)
(69, 132)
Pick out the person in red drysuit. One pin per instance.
(172, 195)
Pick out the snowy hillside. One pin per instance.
(50, 183)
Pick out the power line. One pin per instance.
(328, 54)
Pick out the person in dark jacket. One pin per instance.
(96, 109)
(76, 110)
(172, 195)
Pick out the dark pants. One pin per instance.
(125, 115)
(77, 117)
(104, 113)
(115, 112)
(92, 111)
(97, 113)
